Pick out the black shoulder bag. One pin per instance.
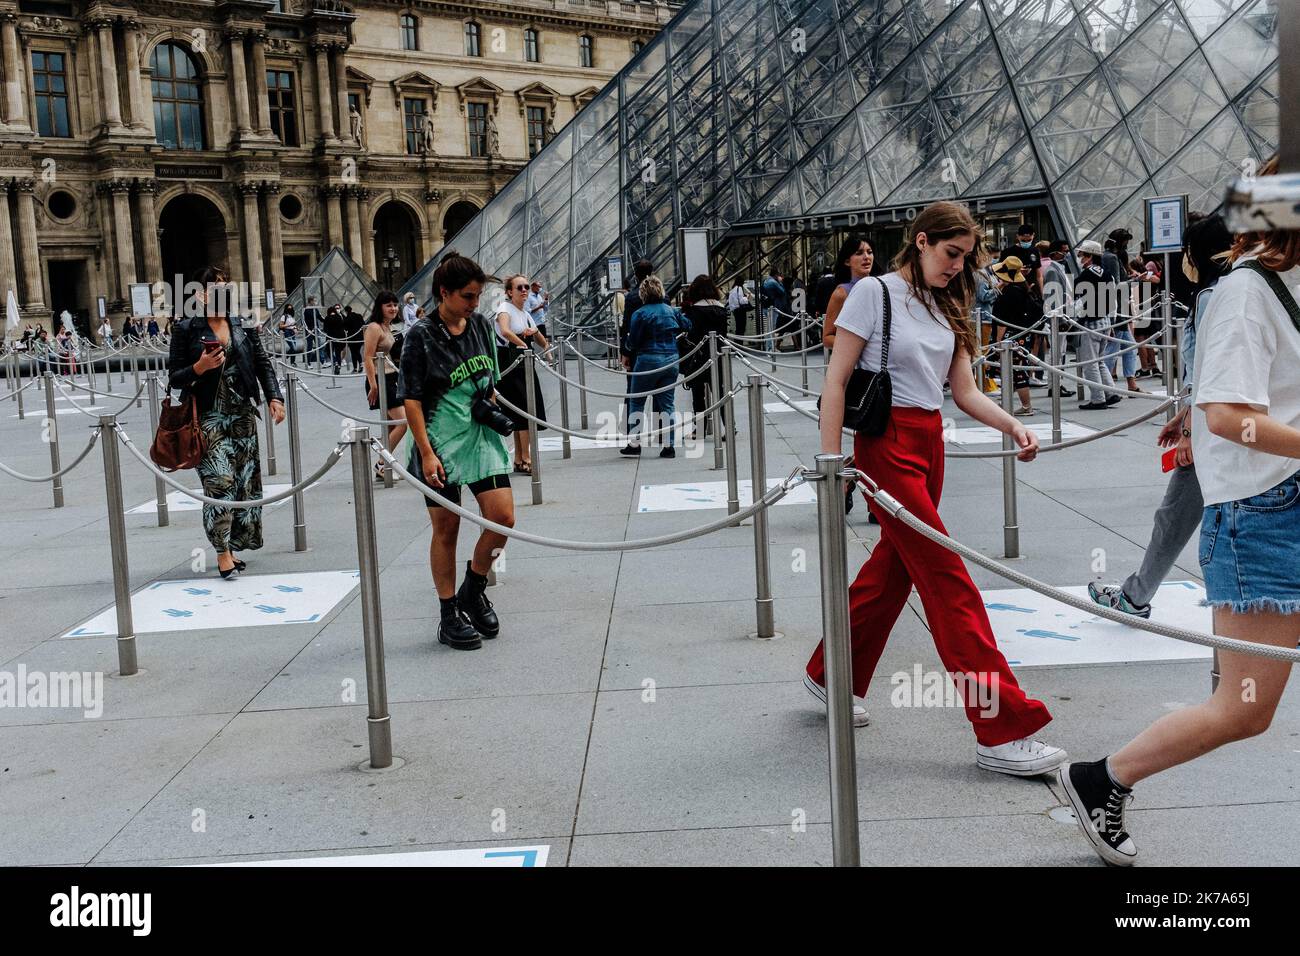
(868, 395)
(1279, 288)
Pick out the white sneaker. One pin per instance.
(860, 716)
(1020, 758)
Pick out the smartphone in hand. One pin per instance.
(1169, 460)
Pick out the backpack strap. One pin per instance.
(884, 342)
(1279, 288)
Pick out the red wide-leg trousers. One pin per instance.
(907, 461)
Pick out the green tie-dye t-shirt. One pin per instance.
(444, 373)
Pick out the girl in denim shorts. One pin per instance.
(1246, 444)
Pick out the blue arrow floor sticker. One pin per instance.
(251, 600)
(1035, 631)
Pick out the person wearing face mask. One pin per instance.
(1025, 250)
(926, 304)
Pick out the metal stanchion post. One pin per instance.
(803, 366)
(716, 414)
(378, 726)
(1170, 355)
(733, 483)
(1010, 526)
(135, 372)
(295, 461)
(159, 488)
(531, 396)
(1055, 354)
(758, 484)
(270, 442)
(126, 661)
(582, 385)
(52, 431)
(381, 383)
(18, 385)
(566, 445)
(839, 664)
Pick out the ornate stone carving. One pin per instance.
(247, 188)
(25, 185)
(433, 195)
(149, 186)
(270, 187)
(329, 190)
(42, 24)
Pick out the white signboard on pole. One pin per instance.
(141, 300)
(695, 253)
(1166, 218)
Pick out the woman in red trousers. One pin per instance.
(931, 341)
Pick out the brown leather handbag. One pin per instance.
(179, 442)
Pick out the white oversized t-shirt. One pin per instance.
(519, 320)
(1247, 353)
(920, 343)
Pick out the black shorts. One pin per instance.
(390, 383)
(452, 492)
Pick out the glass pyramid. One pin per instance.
(742, 111)
(336, 279)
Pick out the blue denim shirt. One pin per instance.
(654, 328)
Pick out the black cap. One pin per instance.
(1121, 234)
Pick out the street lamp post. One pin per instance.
(391, 265)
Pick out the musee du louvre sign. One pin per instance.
(880, 218)
(188, 171)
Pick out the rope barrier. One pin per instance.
(330, 461)
(85, 411)
(654, 391)
(896, 509)
(773, 378)
(774, 494)
(1071, 443)
(349, 415)
(1104, 388)
(502, 400)
(94, 437)
(619, 371)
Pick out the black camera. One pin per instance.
(485, 412)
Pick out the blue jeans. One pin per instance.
(643, 381)
(1130, 358)
(1250, 552)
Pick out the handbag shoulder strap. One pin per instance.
(889, 314)
(1279, 288)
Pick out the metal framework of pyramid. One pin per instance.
(336, 278)
(751, 110)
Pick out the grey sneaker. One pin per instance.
(860, 716)
(1113, 596)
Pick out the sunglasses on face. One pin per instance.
(521, 288)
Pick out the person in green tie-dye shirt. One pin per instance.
(448, 362)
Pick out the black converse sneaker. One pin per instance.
(474, 603)
(455, 629)
(1098, 804)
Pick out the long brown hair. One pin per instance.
(1281, 248)
(939, 221)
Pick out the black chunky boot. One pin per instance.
(455, 629)
(472, 598)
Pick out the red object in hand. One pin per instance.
(1168, 461)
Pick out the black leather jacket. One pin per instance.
(253, 368)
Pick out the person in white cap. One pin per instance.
(1093, 293)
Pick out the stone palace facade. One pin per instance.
(139, 141)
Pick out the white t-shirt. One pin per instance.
(408, 315)
(519, 320)
(920, 344)
(1247, 353)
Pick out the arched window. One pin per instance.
(473, 39)
(586, 51)
(410, 32)
(532, 53)
(177, 98)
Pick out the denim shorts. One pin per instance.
(1250, 551)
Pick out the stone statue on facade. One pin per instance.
(354, 117)
(493, 136)
(426, 135)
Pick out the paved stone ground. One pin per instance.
(546, 732)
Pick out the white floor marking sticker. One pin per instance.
(62, 411)
(982, 435)
(701, 495)
(1035, 631)
(556, 442)
(520, 856)
(776, 408)
(179, 501)
(251, 600)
